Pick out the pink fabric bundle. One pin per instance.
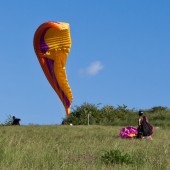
(128, 132)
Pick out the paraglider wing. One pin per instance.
(52, 43)
(128, 132)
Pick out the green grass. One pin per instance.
(80, 148)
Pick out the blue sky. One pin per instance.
(120, 55)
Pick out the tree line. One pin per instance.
(91, 114)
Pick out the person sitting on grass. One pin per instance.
(15, 121)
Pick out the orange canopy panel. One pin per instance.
(52, 43)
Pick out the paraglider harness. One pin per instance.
(145, 129)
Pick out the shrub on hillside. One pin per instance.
(8, 121)
(121, 116)
(116, 157)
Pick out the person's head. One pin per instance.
(140, 113)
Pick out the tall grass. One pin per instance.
(79, 147)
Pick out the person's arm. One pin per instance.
(139, 121)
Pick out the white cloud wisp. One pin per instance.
(93, 69)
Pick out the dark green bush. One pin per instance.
(8, 121)
(116, 157)
(120, 116)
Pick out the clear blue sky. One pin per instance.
(120, 55)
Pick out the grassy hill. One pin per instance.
(81, 147)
